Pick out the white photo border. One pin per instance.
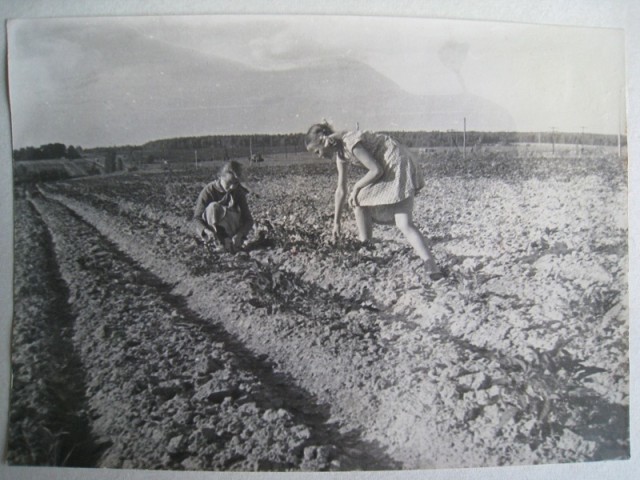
(623, 14)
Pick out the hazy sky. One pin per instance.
(562, 77)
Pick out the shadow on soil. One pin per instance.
(280, 391)
(64, 428)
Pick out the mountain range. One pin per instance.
(137, 90)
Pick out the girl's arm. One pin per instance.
(204, 199)
(341, 192)
(374, 168)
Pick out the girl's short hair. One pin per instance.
(318, 130)
(325, 133)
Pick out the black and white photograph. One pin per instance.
(317, 243)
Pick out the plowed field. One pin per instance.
(136, 346)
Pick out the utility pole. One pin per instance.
(553, 140)
(581, 141)
(464, 140)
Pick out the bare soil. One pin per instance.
(296, 354)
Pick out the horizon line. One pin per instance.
(554, 132)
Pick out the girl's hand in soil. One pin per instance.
(335, 235)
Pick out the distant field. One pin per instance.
(533, 149)
(54, 169)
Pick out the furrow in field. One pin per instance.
(48, 416)
(506, 293)
(354, 378)
(167, 389)
(399, 375)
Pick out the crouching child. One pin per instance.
(221, 214)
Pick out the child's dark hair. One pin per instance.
(232, 167)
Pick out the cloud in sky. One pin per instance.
(543, 76)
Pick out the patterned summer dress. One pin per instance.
(401, 178)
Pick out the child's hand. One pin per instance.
(209, 237)
(353, 198)
(237, 241)
(206, 235)
(335, 235)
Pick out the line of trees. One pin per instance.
(215, 146)
(47, 152)
(228, 141)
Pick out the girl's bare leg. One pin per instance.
(405, 223)
(364, 224)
